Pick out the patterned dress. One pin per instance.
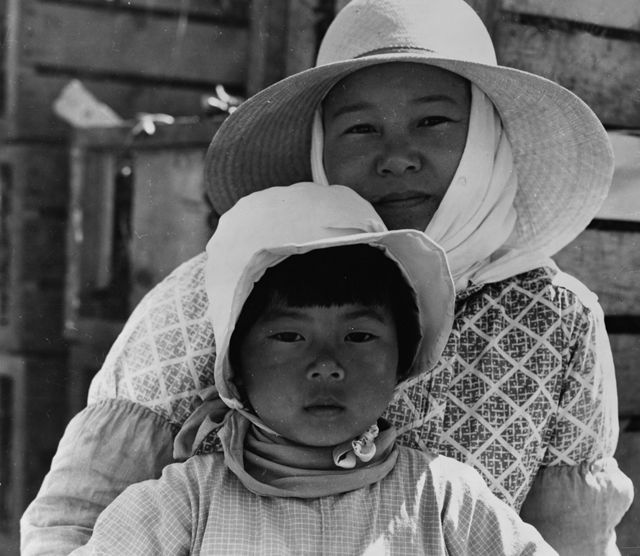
(526, 385)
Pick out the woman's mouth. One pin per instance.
(398, 201)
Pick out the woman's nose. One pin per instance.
(396, 160)
(325, 371)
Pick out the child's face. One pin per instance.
(395, 133)
(320, 375)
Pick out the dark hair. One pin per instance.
(336, 276)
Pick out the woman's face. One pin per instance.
(395, 133)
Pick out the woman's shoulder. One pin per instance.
(547, 286)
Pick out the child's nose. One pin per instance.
(327, 371)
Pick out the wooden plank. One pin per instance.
(33, 319)
(236, 11)
(267, 44)
(487, 10)
(608, 262)
(35, 420)
(170, 218)
(623, 200)
(621, 14)
(628, 456)
(303, 25)
(31, 96)
(122, 43)
(604, 72)
(626, 355)
(38, 175)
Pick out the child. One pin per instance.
(318, 314)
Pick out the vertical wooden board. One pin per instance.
(603, 72)
(37, 417)
(622, 14)
(41, 258)
(125, 43)
(39, 175)
(608, 262)
(626, 355)
(33, 320)
(170, 214)
(303, 25)
(267, 44)
(628, 456)
(89, 237)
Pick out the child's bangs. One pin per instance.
(357, 274)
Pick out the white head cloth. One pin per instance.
(476, 216)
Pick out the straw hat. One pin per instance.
(561, 152)
(268, 226)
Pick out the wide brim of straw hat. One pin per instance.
(561, 151)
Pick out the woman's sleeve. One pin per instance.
(580, 494)
(152, 518)
(105, 448)
(475, 521)
(145, 390)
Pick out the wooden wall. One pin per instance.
(136, 56)
(592, 47)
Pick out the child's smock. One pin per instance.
(425, 505)
(525, 393)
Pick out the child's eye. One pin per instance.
(432, 121)
(288, 337)
(360, 128)
(359, 337)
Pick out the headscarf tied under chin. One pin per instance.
(477, 215)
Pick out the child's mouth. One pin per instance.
(322, 409)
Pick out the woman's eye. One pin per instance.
(361, 128)
(359, 337)
(287, 337)
(434, 120)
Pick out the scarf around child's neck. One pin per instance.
(268, 464)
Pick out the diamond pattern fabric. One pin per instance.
(526, 379)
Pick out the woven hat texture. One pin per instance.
(561, 152)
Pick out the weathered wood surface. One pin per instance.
(33, 201)
(267, 43)
(621, 14)
(628, 456)
(170, 215)
(125, 44)
(151, 56)
(32, 390)
(303, 37)
(227, 10)
(608, 262)
(602, 71)
(626, 356)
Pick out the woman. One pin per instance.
(503, 168)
